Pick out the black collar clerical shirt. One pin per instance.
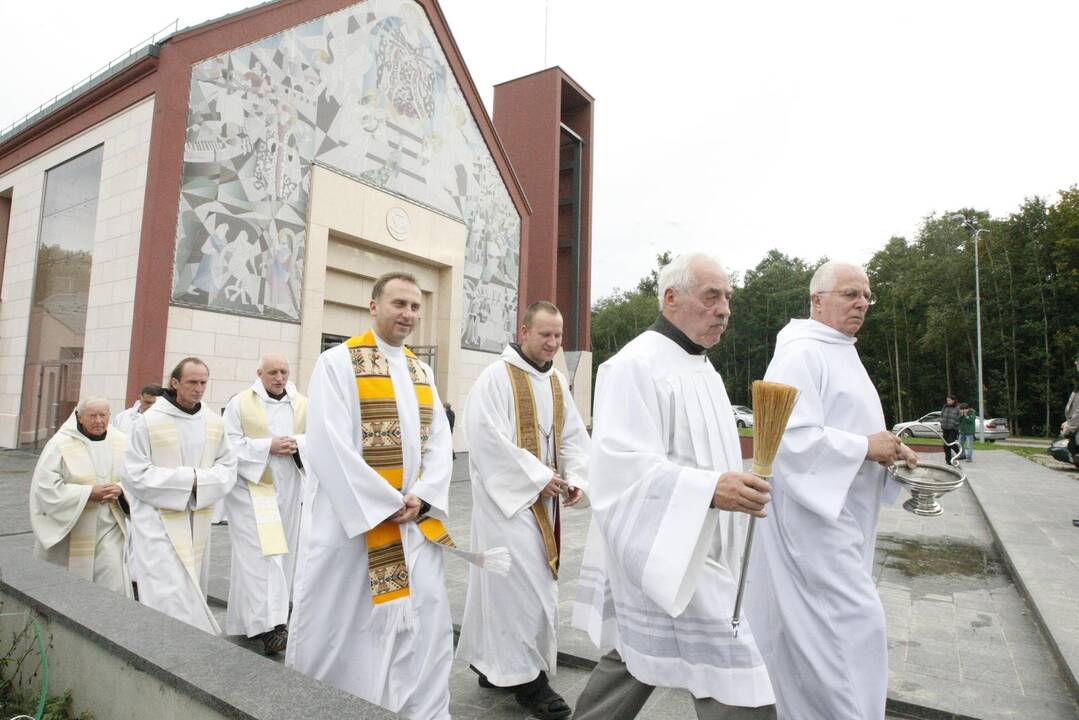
(668, 329)
(540, 368)
(170, 395)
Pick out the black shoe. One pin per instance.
(275, 641)
(545, 704)
(1075, 522)
(483, 681)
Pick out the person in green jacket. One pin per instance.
(966, 431)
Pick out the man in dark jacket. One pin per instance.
(949, 427)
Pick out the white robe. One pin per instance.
(122, 421)
(661, 567)
(260, 585)
(510, 626)
(56, 504)
(330, 637)
(811, 597)
(164, 583)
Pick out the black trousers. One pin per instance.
(950, 436)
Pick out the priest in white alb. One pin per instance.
(147, 397)
(178, 464)
(265, 425)
(670, 507)
(810, 595)
(528, 454)
(75, 498)
(371, 615)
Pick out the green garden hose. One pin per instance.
(44, 665)
(44, 669)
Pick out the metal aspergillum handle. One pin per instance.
(958, 447)
(736, 618)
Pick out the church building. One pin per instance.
(235, 188)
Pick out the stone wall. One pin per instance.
(124, 660)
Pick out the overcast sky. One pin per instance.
(817, 128)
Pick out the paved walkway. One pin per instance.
(964, 640)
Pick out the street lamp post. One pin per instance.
(971, 224)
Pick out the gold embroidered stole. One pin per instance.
(382, 450)
(263, 493)
(528, 438)
(82, 540)
(188, 531)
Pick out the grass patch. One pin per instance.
(1026, 452)
(938, 442)
(1019, 450)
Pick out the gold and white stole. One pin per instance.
(188, 537)
(254, 422)
(82, 540)
(528, 438)
(383, 452)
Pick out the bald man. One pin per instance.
(811, 598)
(265, 423)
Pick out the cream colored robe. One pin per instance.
(56, 504)
(260, 586)
(164, 583)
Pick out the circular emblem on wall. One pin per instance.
(397, 223)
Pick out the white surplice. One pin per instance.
(164, 583)
(660, 569)
(57, 503)
(330, 636)
(510, 626)
(260, 585)
(122, 420)
(811, 597)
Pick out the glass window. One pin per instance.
(61, 291)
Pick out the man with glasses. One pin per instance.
(811, 599)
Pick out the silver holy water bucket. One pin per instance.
(929, 481)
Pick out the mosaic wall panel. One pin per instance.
(367, 90)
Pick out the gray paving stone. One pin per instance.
(948, 634)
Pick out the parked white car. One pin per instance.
(743, 416)
(995, 429)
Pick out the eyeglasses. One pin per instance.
(851, 295)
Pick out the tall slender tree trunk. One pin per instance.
(910, 386)
(898, 383)
(970, 340)
(1014, 322)
(1003, 340)
(1045, 337)
(947, 358)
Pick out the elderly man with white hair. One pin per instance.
(75, 498)
(811, 596)
(265, 424)
(670, 507)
